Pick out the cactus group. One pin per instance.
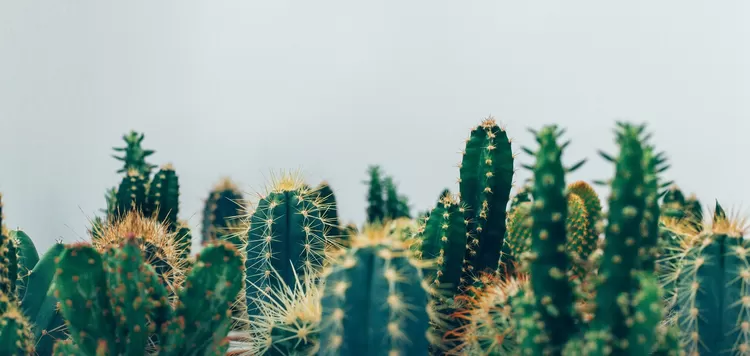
(548, 271)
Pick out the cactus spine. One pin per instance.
(286, 235)
(485, 184)
(372, 302)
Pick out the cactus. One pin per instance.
(131, 195)
(15, 335)
(286, 235)
(114, 305)
(134, 156)
(712, 289)
(223, 208)
(396, 206)
(8, 267)
(376, 204)
(549, 261)
(163, 197)
(373, 302)
(330, 215)
(486, 179)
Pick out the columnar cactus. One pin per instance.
(330, 214)
(287, 235)
(375, 201)
(163, 201)
(713, 289)
(486, 178)
(114, 305)
(443, 240)
(223, 209)
(548, 260)
(133, 155)
(131, 195)
(373, 303)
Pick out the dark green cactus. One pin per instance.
(443, 240)
(184, 240)
(223, 209)
(330, 214)
(375, 203)
(27, 258)
(8, 267)
(163, 201)
(713, 292)
(114, 305)
(131, 195)
(396, 206)
(286, 235)
(485, 184)
(373, 303)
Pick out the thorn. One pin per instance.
(606, 156)
(576, 166)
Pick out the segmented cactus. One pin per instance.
(373, 303)
(114, 304)
(163, 201)
(286, 235)
(223, 209)
(133, 155)
(486, 178)
(713, 289)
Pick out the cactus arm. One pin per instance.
(164, 197)
(648, 313)
(27, 258)
(444, 241)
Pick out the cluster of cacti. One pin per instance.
(383, 200)
(114, 304)
(545, 272)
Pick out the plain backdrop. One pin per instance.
(247, 88)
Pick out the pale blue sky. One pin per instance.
(244, 88)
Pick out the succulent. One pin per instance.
(131, 194)
(330, 214)
(134, 156)
(114, 297)
(15, 336)
(373, 302)
(163, 201)
(223, 209)
(376, 203)
(486, 178)
(286, 235)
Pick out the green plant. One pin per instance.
(486, 179)
(222, 211)
(330, 213)
(114, 304)
(163, 197)
(376, 204)
(286, 235)
(373, 302)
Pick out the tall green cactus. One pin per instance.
(485, 184)
(330, 214)
(131, 195)
(164, 197)
(133, 155)
(223, 208)
(286, 235)
(114, 305)
(548, 261)
(373, 303)
(15, 335)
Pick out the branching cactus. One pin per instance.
(114, 304)
(486, 178)
(163, 201)
(286, 235)
(373, 302)
(222, 212)
(713, 289)
(133, 155)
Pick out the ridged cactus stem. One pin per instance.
(286, 235)
(549, 260)
(164, 197)
(373, 303)
(485, 185)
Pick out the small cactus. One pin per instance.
(163, 202)
(223, 209)
(15, 335)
